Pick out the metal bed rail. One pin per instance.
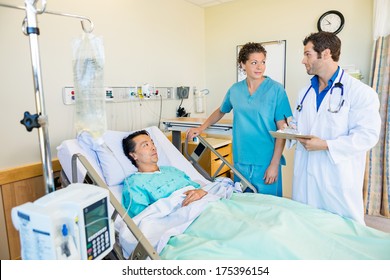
(144, 249)
(197, 154)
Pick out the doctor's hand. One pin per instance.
(193, 132)
(193, 195)
(313, 144)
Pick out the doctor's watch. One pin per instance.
(331, 21)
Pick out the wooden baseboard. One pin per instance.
(25, 172)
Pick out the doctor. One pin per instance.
(342, 114)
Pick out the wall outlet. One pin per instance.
(68, 95)
(123, 94)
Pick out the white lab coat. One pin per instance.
(333, 179)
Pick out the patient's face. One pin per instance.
(145, 150)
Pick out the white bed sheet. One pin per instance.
(167, 217)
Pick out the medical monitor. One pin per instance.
(70, 223)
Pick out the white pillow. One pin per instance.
(67, 149)
(116, 166)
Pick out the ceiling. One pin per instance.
(208, 3)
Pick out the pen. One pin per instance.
(285, 119)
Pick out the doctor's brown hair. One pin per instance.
(128, 144)
(325, 40)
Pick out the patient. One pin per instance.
(152, 182)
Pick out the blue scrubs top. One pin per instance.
(254, 116)
(142, 189)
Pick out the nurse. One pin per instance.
(342, 114)
(260, 105)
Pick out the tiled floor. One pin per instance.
(380, 223)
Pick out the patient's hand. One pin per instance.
(193, 195)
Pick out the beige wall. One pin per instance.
(241, 21)
(162, 42)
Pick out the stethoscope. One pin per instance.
(336, 85)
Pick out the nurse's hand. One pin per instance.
(313, 144)
(193, 132)
(193, 195)
(271, 174)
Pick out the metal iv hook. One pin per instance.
(43, 10)
(82, 18)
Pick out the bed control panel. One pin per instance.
(197, 153)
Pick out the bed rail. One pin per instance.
(198, 152)
(144, 249)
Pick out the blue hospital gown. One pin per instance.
(142, 189)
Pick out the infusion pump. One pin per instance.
(70, 223)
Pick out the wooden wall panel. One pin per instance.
(4, 249)
(18, 186)
(16, 194)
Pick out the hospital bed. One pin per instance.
(243, 226)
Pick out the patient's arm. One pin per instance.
(193, 195)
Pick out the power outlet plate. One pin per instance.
(123, 94)
(68, 95)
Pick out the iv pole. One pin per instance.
(40, 120)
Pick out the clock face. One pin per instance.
(332, 21)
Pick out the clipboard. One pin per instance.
(285, 135)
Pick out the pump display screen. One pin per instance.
(97, 228)
(96, 217)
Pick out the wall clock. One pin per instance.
(331, 21)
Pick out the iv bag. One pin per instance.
(88, 77)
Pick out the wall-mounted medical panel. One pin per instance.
(125, 94)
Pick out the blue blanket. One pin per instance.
(255, 226)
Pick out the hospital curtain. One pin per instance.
(377, 177)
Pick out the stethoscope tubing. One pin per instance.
(338, 84)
